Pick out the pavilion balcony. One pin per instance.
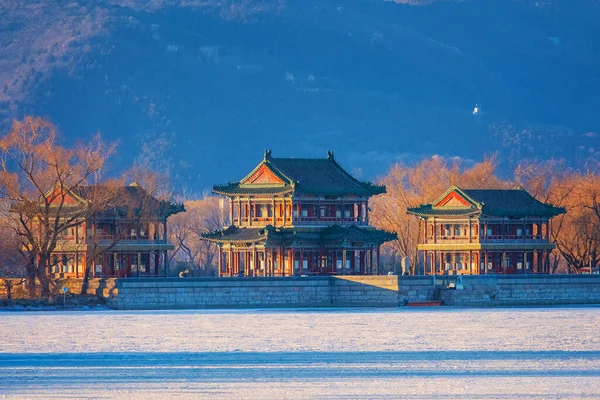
(487, 239)
(109, 239)
(513, 239)
(261, 221)
(328, 221)
(70, 239)
(449, 239)
(279, 221)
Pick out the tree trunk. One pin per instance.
(8, 285)
(45, 287)
(43, 275)
(31, 283)
(87, 272)
(31, 271)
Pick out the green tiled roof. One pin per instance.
(322, 176)
(317, 176)
(334, 235)
(235, 234)
(354, 234)
(127, 200)
(512, 202)
(249, 190)
(427, 210)
(491, 202)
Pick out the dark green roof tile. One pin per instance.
(235, 234)
(490, 202)
(334, 235)
(235, 189)
(317, 176)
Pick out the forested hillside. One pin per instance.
(202, 87)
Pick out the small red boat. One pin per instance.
(432, 303)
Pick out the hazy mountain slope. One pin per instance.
(202, 87)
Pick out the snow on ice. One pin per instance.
(436, 353)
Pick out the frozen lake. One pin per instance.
(535, 353)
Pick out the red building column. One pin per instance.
(298, 212)
(229, 262)
(470, 261)
(470, 231)
(363, 260)
(485, 261)
(234, 263)
(249, 211)
(281, 263)
(220, 261)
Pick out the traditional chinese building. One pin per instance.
(468, 231)
(127, 239)
(298, 216)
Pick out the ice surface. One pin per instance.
(437, 353)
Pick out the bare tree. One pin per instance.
(576, 233)
(11, 264)
(550, 182)
(579, 244)
(38, 177)
(201, 216)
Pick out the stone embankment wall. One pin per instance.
(521, 290)
(341, 291)
(417, 288)
(336, 291)
(96, 286)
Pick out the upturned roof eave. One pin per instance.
(269, 234)
(236, 190)
(253, 191)
(365, 186)
(520, 214)
(363, 191)
(443, 213)
(482, 213)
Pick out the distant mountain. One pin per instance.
(202, 87)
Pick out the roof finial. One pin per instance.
(267, 154)
(330, 155)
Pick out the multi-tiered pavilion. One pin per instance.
(480, 231)
(299, 216)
